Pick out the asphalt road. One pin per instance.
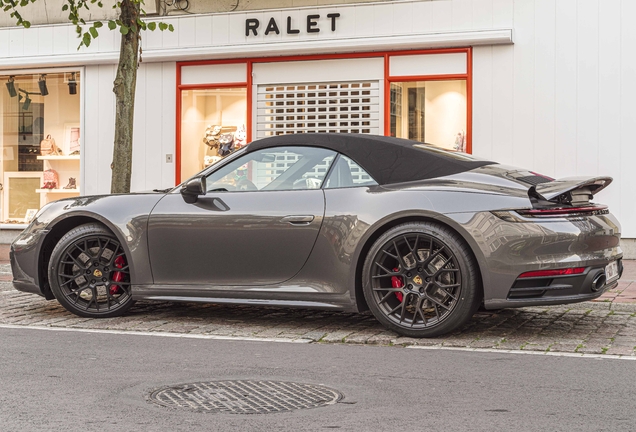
(73, 381)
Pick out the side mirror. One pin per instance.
(192, 189)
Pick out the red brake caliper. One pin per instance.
(397, 282)
(120, 262)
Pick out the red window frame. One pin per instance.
(388, 79)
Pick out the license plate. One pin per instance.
(611, 271)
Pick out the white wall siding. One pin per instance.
(155, 134)
(99, 133)
(560, 100)
(394, 24)
(154, 130)
(627, 155)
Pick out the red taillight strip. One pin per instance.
(548, 273)
(563, 211)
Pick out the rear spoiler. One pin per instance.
(570, 190)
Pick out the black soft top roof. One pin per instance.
(388, 160)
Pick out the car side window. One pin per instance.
(346, 173)
(278, 168)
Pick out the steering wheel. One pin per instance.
(245, 185)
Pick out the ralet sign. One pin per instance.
(252, 25)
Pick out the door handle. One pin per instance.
(298, 219)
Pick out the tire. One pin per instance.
(421, 280)
(89, 273)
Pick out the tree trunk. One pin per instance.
(124, 89)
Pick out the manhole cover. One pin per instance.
(245, 397)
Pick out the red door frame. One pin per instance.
(468, 76)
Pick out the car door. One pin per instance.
(256, 224)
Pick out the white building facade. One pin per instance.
(541, 84)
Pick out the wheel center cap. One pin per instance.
(418, 280)
(97, 273)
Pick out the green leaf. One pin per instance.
(93, 31)
(65, 7)
(171, 27)
(86, 39)
(163, 26)
(124, 29)
(152, 26)
(26, 24)
(112, 24)
(98, 24)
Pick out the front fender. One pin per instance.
(125, 216)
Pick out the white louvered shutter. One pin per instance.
(351, 107)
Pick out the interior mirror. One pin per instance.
(265, 158)
(193, 188)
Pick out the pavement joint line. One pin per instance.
(171, 335)
(541, 353)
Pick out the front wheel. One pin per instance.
(420, 280)
(89, 273)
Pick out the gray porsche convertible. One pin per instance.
(419, 235)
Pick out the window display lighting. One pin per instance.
(72, 84)
(42, 85)
(11, 87)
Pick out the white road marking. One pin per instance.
(171, 335)
(307, 341)
(542, 353)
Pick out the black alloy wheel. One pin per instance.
(420, 280)
(89, 273)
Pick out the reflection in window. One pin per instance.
(430, 111)
(283, 168)
(346, 173)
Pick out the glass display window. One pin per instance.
(40, 139)
(434, 112)
(213, 124)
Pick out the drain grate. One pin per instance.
(245, 397)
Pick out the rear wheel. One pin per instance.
(89, 273)
(420, 280)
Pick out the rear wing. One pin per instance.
(570, 190)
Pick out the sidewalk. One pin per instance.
(623, 297)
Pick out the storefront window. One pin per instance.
(430, 111)
(212, 126)
(40, 140)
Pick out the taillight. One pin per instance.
(565, 211)
(551, 273)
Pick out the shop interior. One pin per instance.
(213, 124)
(430, 111)
(40, 141)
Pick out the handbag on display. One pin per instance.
(51, 179)
(48, 147)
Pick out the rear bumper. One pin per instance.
(556, 290)
(505, 250)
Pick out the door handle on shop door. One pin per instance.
(298, 219)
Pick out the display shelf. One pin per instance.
(54, 157)
(59, 191)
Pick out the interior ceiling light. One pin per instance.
(11, 87)
(72, 84)
(42, 84)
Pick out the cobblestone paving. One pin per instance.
(591, 328)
